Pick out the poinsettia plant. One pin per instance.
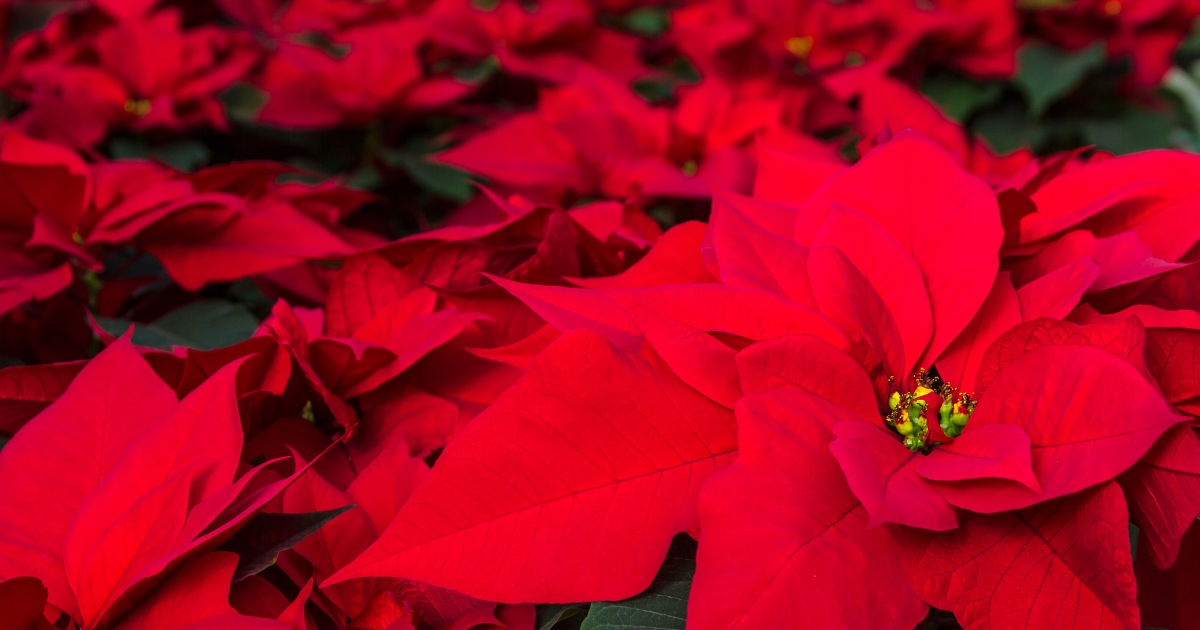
(598, 314)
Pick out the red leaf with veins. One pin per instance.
(847, 297)
(991, 451)
(781, 521)
(1172, 356)
(1064, 563)
(198, 446)
(64, 453)
(888, 268)
(751, 256)
(1089, 415)
(809, 364)
(365, 284)
(674, 318)
(1163, 490)
(197, 598)
(25, 390)
(883, 475)
(674, 259)
(959, 364)
(1056, 293)
(1167, 597)
(947, 220)
(1126, 339)
(637, 443)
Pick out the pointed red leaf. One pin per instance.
(1126, 339)
(605, 454)
(847, 298)
(674, 318)
(809, 364)
(195, 598)
(781, 521)
(1056, 293)
(293, 615)
(883, 475)
(888, 268)
(959, 364)
(991, 451)
(1089, 415)
(947, 220)
(1163, 490)
(574, 309)
(193, 451)
(365, 284)
(25, 390)
(674, 259)
(751, 256)
(64, 453)
(1064, 563)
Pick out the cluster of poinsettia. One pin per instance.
(928, 377)
(865, 391)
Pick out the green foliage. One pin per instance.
(650, 21)
(186, 155)
(663, 606)
(1046, 73)
(959, 97)
(560, 616)
(267, 535)
(204, 325)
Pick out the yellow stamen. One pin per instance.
(138, 108)
(799, 46)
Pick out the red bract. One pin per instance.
(221, 223)
(639, 443)
(843, 43)
(548, 41)
(44, 191)
(1145, 31)
(137, 491)
(378, 72)
(834, 295)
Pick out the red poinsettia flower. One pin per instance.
(545, 40)
(1146, 30)
(86, 74)
(813, 317)
(843, 42)
(136, 492)
(365, 71)
(220, 223)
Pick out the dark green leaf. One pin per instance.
(560, 616)
(243, 101)
(648, 21)
(185, 155)
(209, 324)
(1135, 130)
(204, 325)
(1133, 538)
(663, 606)
(1006, 128)
(959, 97)
(439, 179)
(1046, 73)
(267, 535)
